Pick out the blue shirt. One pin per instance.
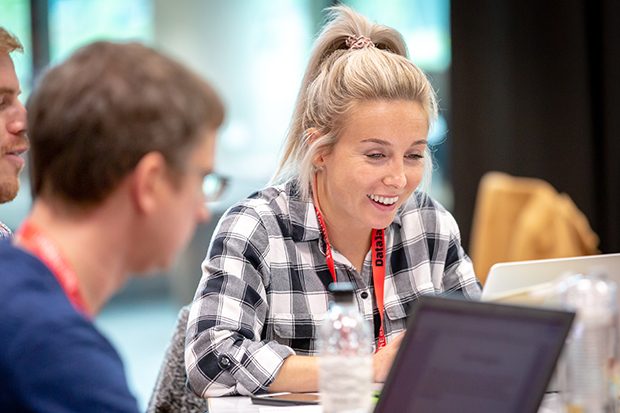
(52, 358)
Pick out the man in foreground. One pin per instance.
(122, 138)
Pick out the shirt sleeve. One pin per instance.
(225, 352)
(459, 276)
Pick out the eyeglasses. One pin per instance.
(213, 186)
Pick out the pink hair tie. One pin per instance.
(358, 42)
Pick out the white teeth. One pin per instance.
(384, 199)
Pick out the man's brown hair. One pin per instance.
(92, 118)
(8, 42)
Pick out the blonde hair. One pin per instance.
(8, 42)
(337, 77)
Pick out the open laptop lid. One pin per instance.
(519, 276)
(474, 357)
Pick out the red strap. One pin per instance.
(378, 267)
(378, 277)
(329, 258)
(42, 247)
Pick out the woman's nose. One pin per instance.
(396, 176)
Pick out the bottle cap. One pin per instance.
(342, 291)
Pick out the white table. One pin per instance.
(551, 404)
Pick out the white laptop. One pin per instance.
(510, 278)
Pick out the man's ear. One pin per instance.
(147, 181)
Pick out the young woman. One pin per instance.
(345, 206)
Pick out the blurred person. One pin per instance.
(347, 204)
(13, 140)
(122, 139)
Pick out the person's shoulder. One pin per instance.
(276, 210)
(39, 315)
(273, 198)
(421, 201)
(81, 366)
(30, 297)
(424, 212)
(19, 269)
(280, 201)
(41, 326)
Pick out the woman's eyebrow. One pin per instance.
(387, 142)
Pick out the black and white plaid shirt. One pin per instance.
(263, 292)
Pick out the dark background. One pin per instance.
(535, 91)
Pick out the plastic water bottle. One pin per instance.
(345, 361)
(591, 346)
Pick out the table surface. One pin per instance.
(240, 404)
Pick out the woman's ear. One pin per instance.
(312, 134)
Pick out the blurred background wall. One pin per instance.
(536, 92)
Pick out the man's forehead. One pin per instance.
(205, 146)
(8, 77)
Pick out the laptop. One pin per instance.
(474, 357)
(509, 278)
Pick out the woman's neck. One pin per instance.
(350, 240)
(354, 245)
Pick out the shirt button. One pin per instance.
(224, 362)
(364, 295)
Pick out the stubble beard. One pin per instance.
(8, 188)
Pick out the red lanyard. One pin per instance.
(378, 267)
(41, 246)
(378, 276)
(329, 258)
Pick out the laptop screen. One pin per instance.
(474, 357)
(507, 278)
